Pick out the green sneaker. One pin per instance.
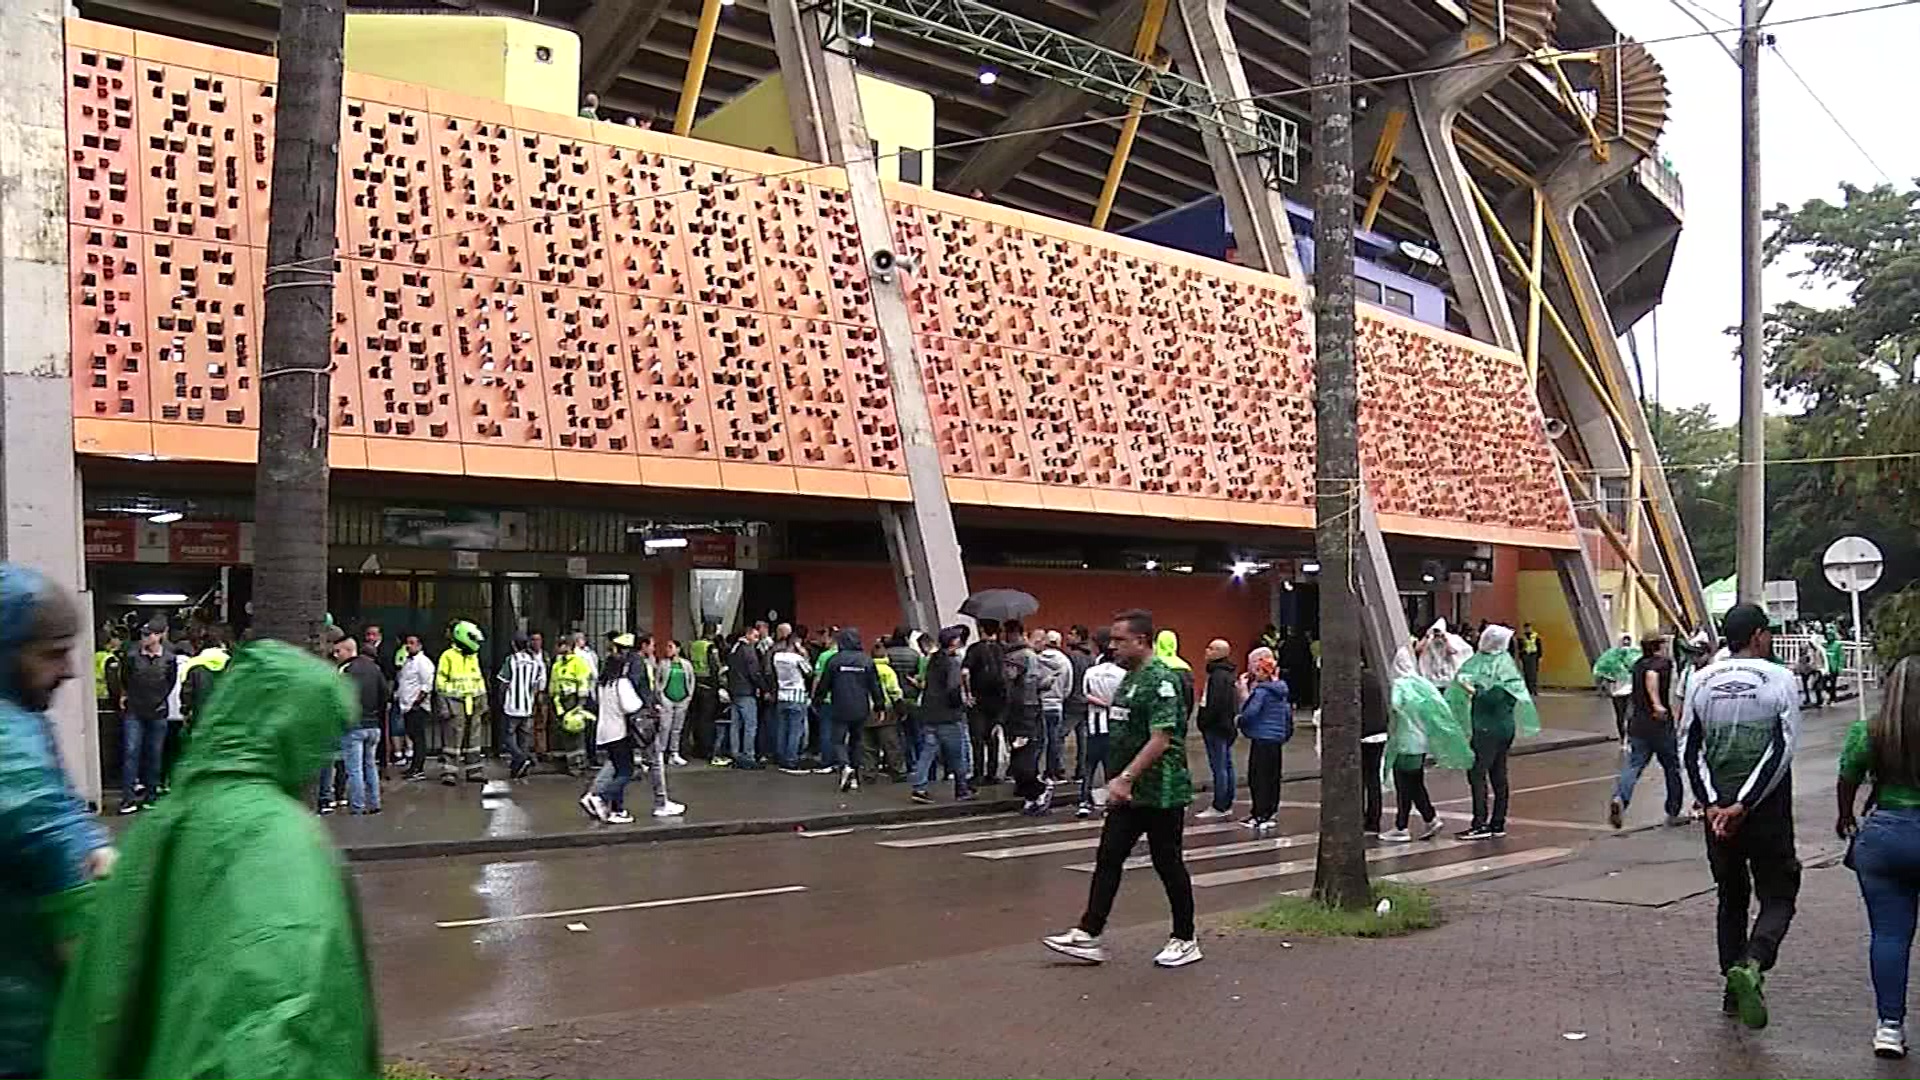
(1745, 984)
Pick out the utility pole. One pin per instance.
(1340, 868)
(1750, 534)
(291, 482)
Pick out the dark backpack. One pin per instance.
(989, 678)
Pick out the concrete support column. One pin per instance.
(830, 127)
(1203, 50)
(1573, 180)
(39, 484)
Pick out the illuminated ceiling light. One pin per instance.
(1243, 568)
(662, 543)
(1428, 578)
(1152, 564)
(1310, 568)
(988, 76)
(160, 598)
(166, 517)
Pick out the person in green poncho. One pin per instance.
(227, 942)
(1490, 693)
(1613, 674)
(1419, 724)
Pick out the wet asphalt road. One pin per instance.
(467, 946)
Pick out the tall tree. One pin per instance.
(1340, 869)
(291, 482)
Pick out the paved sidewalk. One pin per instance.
(428, 819)
(1511, 986)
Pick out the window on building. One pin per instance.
(1399, 300)
(1366, 290)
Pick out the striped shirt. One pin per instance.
(522, 677)
(1102, 682)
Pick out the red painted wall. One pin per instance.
(1501, 603)
(1198, 607)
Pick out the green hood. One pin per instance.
(276, 713)
(1167, 648)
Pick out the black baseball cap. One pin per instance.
(1741, 623)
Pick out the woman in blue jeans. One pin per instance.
(1885, 752)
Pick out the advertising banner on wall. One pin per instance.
(204, 543)
(457, 527)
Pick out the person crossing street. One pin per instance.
(1650, 732)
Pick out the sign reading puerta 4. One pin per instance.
(207, 543)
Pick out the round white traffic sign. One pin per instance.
(1852, 564)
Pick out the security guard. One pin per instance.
(461, 705)
(569, 683)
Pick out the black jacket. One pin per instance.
(1373, 706)
(747, 671)
(369, 688)
(1082, 661)
(149, 682)
(940, 701)
(854, 681)
(1223, 700)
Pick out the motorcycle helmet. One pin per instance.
(467, 636)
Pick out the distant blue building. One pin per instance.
(1201, 227)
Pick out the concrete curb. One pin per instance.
(893, 815)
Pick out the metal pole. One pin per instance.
(1751, 549)
(1860, 677)
(697, 67)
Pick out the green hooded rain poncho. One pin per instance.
(1616, 664)
(1420, 723)
(46, 835)
(1492, 668)
(227, 942)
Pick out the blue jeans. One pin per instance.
(361, 748)
(1642, 750)
(1220, 762)
(1054, 719)
(1886, 855)
(142, 740)
(738, 739)
(942, 742)
(790, 732)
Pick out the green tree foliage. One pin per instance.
(1850, 373)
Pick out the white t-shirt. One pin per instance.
(1102, 682)
(790, 671)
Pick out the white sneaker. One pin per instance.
(825, 770)
(1433, 828)
(619, 817)
(1177, 953)
(1078, 944)
(594, 805)
(1210, 814)
(676, 760)
(672, 809)
(1396, 836)
(848, 782)
(1890, 1040)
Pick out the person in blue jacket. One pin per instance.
(1266, 719)
(49, 843)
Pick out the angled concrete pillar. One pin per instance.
(610, 33)
(830, 128)
(39, 484)
(1574, 179)
(1203, 50)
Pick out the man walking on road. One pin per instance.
(1650, 732)
(1737, 741)
(1148, 794)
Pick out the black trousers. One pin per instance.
(1620, 703)
(1758, 861)
(982, 719)
(1263, 777)
(1164, 829)
(1489, 771)
(1370, 755)
(1025, 767)
(1410, 790)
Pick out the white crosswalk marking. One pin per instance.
(1300, 866)
(1431, 874)
(1218, 851)
(990, 834)
(1082, 844)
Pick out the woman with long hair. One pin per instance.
(1885, 752)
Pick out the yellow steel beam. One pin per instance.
(1619, 544)
(1571, 102)
(1535, 295)
(1145, 43)
(697, 67)
(1384, 169)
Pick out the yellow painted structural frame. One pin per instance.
(1145, 44)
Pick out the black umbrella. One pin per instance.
(1000, 605)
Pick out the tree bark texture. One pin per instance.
(1340, 870)
(291, 482)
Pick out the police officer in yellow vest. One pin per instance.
(1530, 653)
(569, 683)
(460, 704)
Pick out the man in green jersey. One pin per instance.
(1149, 792)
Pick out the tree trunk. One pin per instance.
(1340, 871)
(290, 486)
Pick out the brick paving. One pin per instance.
(1492, 993)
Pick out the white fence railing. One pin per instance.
(1858, 658)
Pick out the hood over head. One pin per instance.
(1495, 638)
(1403, 664)
(276, 714)
(1166, 648)
(849, 640)
(24, 597)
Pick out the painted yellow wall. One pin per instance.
(897, 117)
(483, 56)
(1544, 604)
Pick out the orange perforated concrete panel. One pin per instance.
(528, 295)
